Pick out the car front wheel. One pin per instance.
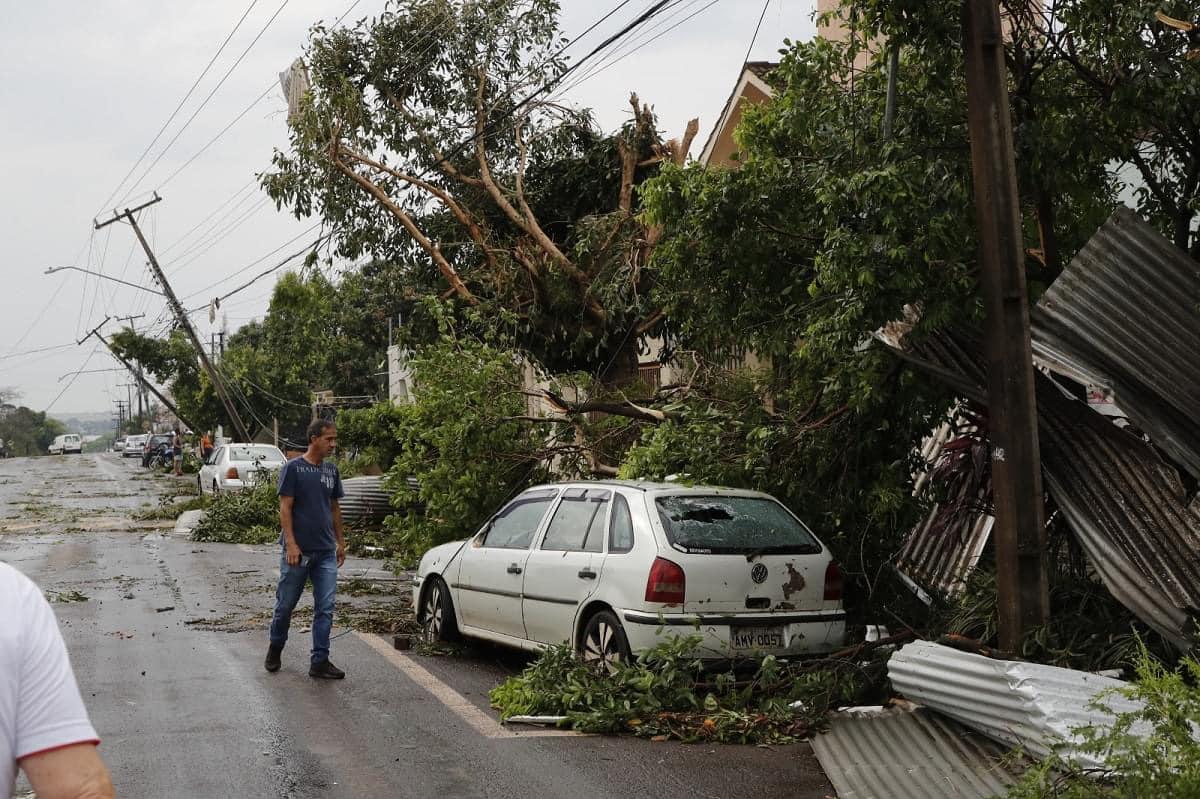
(437, 614)
(603, 643)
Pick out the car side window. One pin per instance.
(620, 534)
(578, 524)
(514, 527)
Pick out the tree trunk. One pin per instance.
(622, 370)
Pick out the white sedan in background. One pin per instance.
(232, 467)
(611, 567)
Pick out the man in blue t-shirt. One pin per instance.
(313, 546)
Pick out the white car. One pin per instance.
(66, 444)
(610, 567)
(119, 445)
(232, 467)
(133, 446)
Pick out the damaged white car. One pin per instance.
(610, 567)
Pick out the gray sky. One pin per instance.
(89, 84)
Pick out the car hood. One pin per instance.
(438, 558)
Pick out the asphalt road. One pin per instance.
(167, 638)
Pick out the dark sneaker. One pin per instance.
(273, 652)
(325, 671)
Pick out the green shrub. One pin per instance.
(246, 517)
(667, 693)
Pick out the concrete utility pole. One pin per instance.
(1020, 531)
(182, 317)
(142, 399)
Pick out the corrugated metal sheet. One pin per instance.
(1029, 705)
(1125, 314)
(366, 503)
(940, 553)
(1128, 510)
(902, 754)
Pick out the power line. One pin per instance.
(213, 213)
(205, 102)
(256, 262)
(214, 139)
(639, 47)
(200, 248)
(8, 355)
(71, 382)
(179, 107)
(754, 38)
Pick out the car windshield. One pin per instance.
(267, 454)
(733, 525)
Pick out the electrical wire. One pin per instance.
(204, 102)
(179, 107)
(71, 382)
(8, 355)
(639, 47)
(213, 213)
(754, 38)
(255, 263)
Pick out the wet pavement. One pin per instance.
(167, 638)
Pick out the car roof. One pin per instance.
(657, 488)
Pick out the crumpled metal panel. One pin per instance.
(936, 557)
(1128, 510)
(1028, 705)
(366, 502)
(909, 754)
(1125, 314)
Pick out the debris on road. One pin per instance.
(910, 753)
(1039, 708)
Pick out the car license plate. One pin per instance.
(747, 638)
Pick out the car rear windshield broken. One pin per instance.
(733, 525)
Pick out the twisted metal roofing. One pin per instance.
(1125, 314)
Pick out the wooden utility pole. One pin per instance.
(182, 317)
(1020, 532)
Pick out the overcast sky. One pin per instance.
(88, 85)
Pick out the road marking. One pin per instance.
(458, 704)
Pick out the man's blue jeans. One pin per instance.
(321, 568)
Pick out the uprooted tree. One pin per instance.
(434, 128)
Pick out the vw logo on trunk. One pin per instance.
(759, 573)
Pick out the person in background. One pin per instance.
(177, 452)
(206, 446)
(44, 727)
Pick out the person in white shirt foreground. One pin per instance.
(44, 727)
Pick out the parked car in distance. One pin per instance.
(611, 566)
(232, 467)
(119, 444)
(133, 446)
(153, 444)
(66, 444)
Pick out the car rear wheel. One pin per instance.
(437, 614)
(603, 643)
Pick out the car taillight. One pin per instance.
(833, 582)
(665, 583)
(232, 473)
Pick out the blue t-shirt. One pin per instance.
(312, 488)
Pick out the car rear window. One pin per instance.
(733, 525)
(269, 454)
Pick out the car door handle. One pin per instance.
(514, 568)
(587, 574)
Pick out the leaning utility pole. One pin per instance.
(1020, 532)
(138, 374)
(182, 317)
